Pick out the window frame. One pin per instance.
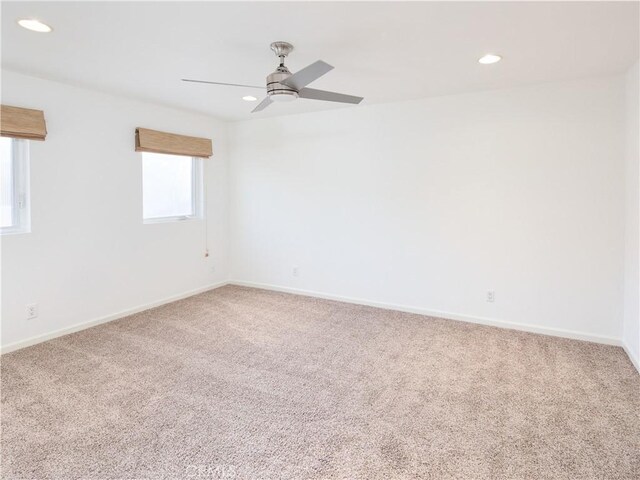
(197, 194)
(21, 199)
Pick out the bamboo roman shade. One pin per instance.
(162, 142)
(19, 122)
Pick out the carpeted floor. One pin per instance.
(239, 383)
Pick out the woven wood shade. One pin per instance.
(163, 142)
(19, 122)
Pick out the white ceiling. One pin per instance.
(383, 51)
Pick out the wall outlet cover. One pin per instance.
(32, 311)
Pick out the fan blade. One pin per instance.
(308, 74)
(314, 94)
(220, 83)
(263, 104)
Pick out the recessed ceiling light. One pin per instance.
(34, 25)
(249, 98)
(489, 59)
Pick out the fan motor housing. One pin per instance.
(278, 91)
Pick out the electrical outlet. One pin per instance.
(32, 311)
(295, 271)
(491, 296)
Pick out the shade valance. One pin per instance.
(19, 122)
(171, 143)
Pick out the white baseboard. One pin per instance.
(634, 358)
(97, 321)
(556, 332)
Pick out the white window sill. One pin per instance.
(14, 230)
(171, 219)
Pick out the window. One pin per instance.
(14, 185)
(171, 187)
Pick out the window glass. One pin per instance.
(170, 186)
(7, 185)
(14, 182)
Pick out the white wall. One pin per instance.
(428, 204)
(422, 205)
(631, 329)
(89, 254)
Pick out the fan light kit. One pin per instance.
(284, 86)
(489, 59)
(34, 25)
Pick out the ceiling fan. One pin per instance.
(283, 86)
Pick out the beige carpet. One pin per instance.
(240, 383)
